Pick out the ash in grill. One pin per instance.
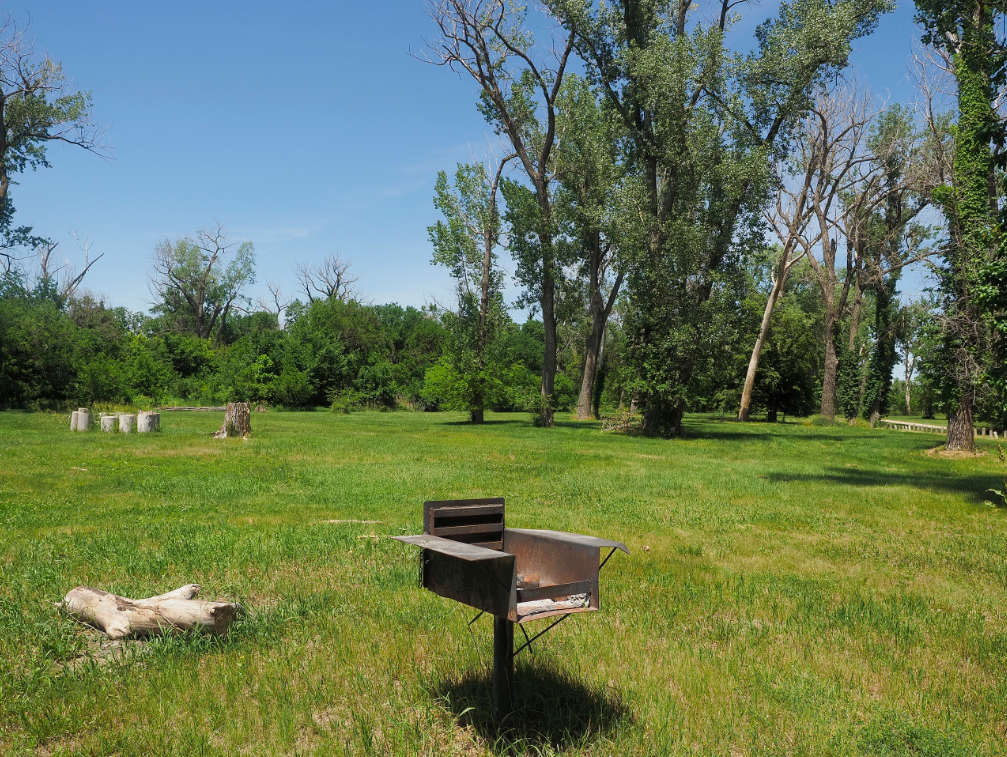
(514, 574)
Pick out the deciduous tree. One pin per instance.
(197, 281)
(489, 41)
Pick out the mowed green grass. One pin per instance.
(791, 590)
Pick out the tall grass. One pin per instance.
(792, 590)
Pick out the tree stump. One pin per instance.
(146, 422)
(237, 421)
(127, 422)
(109, 423)
(83, 419)
(177, 610)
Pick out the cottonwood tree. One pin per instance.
(331, 280)
(466, 242)
(973, 279)
(840, 120)
(910, 339)
(889, 237)
(588, 209)
(705, 126)
(197, 281)
(519, 84)
(38, 106)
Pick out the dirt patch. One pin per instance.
(949, 455)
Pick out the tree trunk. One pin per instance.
(961, 434)
(177, 610)
(771, 412)
(476, 414)
(909, 373)
(599, 382)
(237, 421)
(599, 319)
(549, 358)
(767, 318)
(828, 407)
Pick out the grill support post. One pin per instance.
(503, 667)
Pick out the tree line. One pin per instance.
(692, 228)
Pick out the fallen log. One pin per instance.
(177, 610)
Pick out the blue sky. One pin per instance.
(305, 127)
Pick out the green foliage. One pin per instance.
(1001, 493)
(703, 126)
(88, 353)
(894, 735)
(198, 285)
(468, 376)
(958, 367)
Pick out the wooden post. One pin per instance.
(503, 668)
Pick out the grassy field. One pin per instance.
(792, 590)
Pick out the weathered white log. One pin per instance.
(237, 421)
(73, 420)
(109, 423)
(146, 422)
(83, 419)
(177, 610)
(127, 422)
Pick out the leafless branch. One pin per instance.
(330, 280)
(275, 303)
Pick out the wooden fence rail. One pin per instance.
(930, 428)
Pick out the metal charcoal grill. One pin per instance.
(514, 574)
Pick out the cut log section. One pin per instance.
(177, 610)
(146, 422)
(237, 421)
(127, 422)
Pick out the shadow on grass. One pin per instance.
(511, 422)
(552, 710)
(974, 487)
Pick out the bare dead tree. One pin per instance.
(486, 40)
(72, 279)
(837, 128)
(275, 304)
(331, 280)
(790, 219)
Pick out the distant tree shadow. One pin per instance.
(510, 422)
(552, 708)
(974, 487)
